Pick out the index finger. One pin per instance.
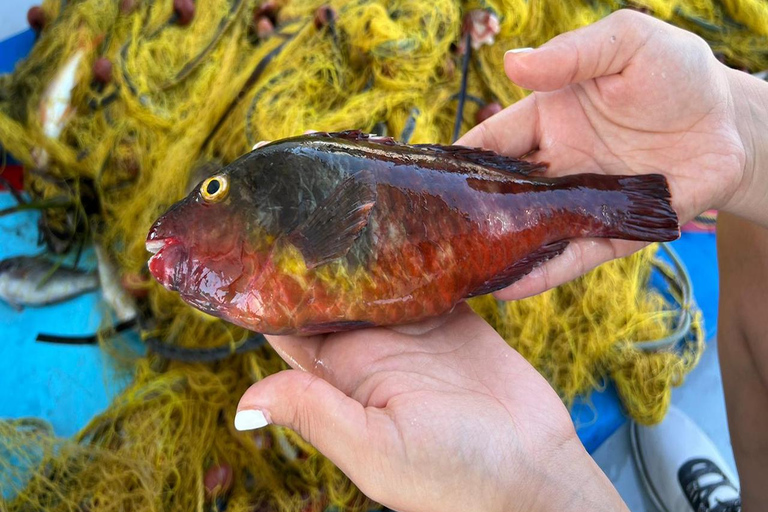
(514, 131)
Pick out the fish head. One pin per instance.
(8, 265)
(206, 246)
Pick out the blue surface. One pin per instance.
(14, 48)
(67, 385)
(63, 384)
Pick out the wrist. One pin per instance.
(569, 479)
(750, 102)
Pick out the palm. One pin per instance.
(638, 123)
(649, 104)
(448, 379)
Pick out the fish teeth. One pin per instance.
(154, 246)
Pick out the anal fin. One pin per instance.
(331, 327)
(520, 268)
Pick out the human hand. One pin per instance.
(632, 95)
(437, 416)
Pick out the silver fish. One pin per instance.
(55, 108)
(114, 294)
(31, 281)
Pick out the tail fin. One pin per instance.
(647, 214)
(623, 207)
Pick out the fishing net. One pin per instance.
(158, 98)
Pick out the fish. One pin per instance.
(31, 281)
(55, 109)
(330, 232)
(122, 304)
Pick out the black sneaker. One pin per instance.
(681, 469)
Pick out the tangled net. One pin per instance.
(157, 101)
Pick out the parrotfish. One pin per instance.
(329, 232)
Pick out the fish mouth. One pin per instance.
(154, 246)
(157, 245)
(166, 255)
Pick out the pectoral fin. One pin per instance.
(329, 232)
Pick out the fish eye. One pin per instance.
(214, 189)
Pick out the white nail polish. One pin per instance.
(250, 419)
(519, 50)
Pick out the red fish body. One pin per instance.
(329, 232)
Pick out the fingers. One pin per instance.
(598, 50)
(604, 48)
(513, 132)
(324, 416)
(579, 257)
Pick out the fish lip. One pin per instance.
(165, 272)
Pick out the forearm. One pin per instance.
(750, 99)
(743, 348)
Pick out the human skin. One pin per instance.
(443, 415)
(742, 248)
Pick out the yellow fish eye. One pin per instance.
(215, 189)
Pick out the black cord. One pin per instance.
(410, 126)
(204, 355)
(463, 91)
(172, 352)
(83, 340)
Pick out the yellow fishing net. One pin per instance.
(183, 97)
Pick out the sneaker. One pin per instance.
(681, 469)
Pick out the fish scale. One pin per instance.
(331, 232)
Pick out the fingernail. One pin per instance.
(259, 144)
(250, 419)
(518, 50)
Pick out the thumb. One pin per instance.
(603, 48)
(324, 416)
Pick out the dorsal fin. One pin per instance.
(487, 158)
(476, 156)
(357, 135)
